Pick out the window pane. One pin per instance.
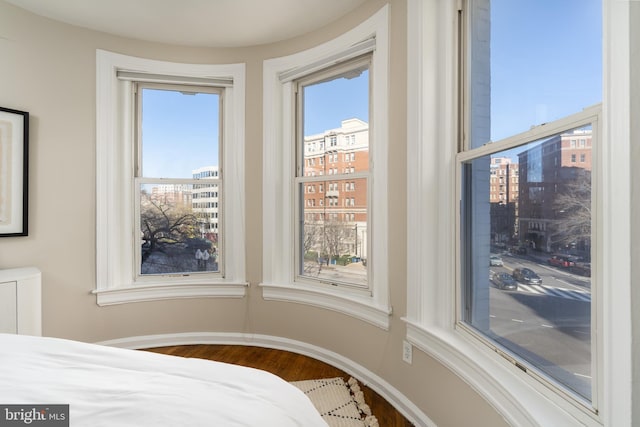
(331, 101)
(533, 62)
(179, 228)
(334, 231)
(179, 132)
(333, 218)
(527, 254)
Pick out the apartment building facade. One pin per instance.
(205, 201)
(547, 187)
(341, 156)
(503, 199)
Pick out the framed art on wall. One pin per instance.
(14, 172)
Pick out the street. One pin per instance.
(549, 324)
(355, 272)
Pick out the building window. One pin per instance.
(299, 272)
(157, 207)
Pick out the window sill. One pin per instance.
(365, 308)
(158, 292)
(520, 401)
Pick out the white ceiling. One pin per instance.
(206, 23)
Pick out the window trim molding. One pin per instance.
(114, 172)
(432, 111)
(279, 163)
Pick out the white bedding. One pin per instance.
(113, 387)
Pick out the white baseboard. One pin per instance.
(365, 376)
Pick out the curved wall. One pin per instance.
(48, 69)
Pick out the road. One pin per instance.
(548, 324)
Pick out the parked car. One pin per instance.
(582, 268)
(526, 275)
(495, 261)
(564, 261)
(519, 250)
(505, 281)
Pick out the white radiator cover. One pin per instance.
(21, 301)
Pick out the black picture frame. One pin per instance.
(14, 172)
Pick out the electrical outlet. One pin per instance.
(407, 352)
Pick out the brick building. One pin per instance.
(341, 157)
(546, 171)
(503, 198)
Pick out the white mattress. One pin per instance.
(107, 386)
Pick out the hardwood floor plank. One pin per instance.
(289, 366)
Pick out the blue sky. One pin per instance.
(180, 133)
(545, 59)
(327, 104)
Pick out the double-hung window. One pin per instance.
(178, 180)
(517, 256)
(170, 179)
(326, 126)
(331, 246)
(535, 307)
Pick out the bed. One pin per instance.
(106, 386)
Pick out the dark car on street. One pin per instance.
(505, 281)
(582, 268)
(526, 275)
(518, 250)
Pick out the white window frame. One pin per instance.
(433, 111)
(279, 166)
(589, 116)
(211, 179)
(324, 75)
(115, 203)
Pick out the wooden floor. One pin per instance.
(289, 366)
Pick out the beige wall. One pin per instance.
(48, 69)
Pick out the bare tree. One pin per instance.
(572, 205)
(336, 234)
(164, 223)
(312, 240)
(312, 236)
